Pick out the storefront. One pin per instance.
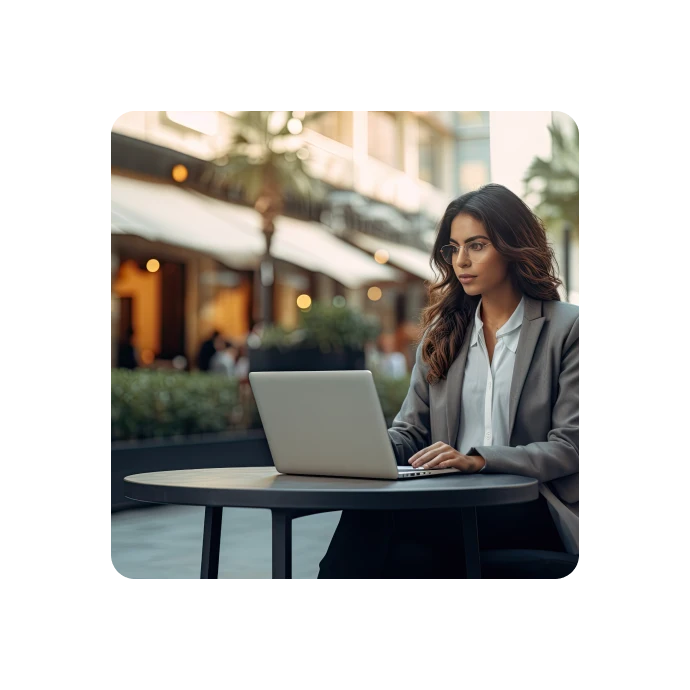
(185, 264)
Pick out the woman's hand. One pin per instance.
(441, 456)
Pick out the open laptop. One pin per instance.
(328, 423)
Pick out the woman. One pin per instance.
(494, 389)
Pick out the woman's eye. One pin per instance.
(477, 246)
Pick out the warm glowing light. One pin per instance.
(147, 356)
(294, 126)
(303, 154)
(152, 265)
(304, 301)
(374, 294)
(179, 173)
(381, 256)
(339, 301)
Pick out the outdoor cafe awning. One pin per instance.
(410, 259)
(232, 233)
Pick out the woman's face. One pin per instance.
(491, 272)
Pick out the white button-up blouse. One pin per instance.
(484, 409)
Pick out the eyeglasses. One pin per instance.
(476, 250)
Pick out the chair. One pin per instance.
(526, 564)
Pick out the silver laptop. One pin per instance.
(328, 423)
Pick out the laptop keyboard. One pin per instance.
(402, 468)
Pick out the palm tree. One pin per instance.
(558, 179)
(265, 160)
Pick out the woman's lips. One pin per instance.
(467, 279)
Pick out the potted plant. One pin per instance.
(327, 338)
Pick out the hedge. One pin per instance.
(163, 404)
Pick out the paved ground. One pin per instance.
(165, 542)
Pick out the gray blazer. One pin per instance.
(544, 411)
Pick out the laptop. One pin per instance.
(328, 423)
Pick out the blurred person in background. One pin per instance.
(372, 356)
(127, 354)
(497, 287)
(223, 359)
(206, 351)
(242, 363)
(389, 362)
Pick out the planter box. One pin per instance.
(230, 449)
(305, 359)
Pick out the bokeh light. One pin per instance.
(152, 265)
(339, 301)
(304, 301)
(381, 256)
(374, 294)
(179, 173)
(294, 126)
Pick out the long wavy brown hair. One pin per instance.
(518, 235)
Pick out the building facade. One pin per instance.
(392, 175)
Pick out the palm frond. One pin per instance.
(560, 190)
(256, 156)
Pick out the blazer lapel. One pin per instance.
(532, 324)
(449, 390)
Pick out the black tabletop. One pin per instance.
(264, 487)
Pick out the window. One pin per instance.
(384, 138)
(474, 117)
(335, 124)
(430, 155)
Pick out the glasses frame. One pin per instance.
(461, 247)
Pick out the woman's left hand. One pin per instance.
(442, 456)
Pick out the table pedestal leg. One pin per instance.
(469, 532)
(282, 544)
(211, 547)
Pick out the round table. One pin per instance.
(293, 496)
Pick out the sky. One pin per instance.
(516, 138)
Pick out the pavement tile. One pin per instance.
(164, 542)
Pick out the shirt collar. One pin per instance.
(509, 331)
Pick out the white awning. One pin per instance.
(232, 233)
(410, 259)
(164, 213)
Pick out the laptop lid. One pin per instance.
(324, 423)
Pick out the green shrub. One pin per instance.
(330, 328)
(333, 328)
(161, 404)
(150, 404)
(391, 394)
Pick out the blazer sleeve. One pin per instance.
(410, 431)
(558, 456)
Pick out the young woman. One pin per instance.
(494, 389)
